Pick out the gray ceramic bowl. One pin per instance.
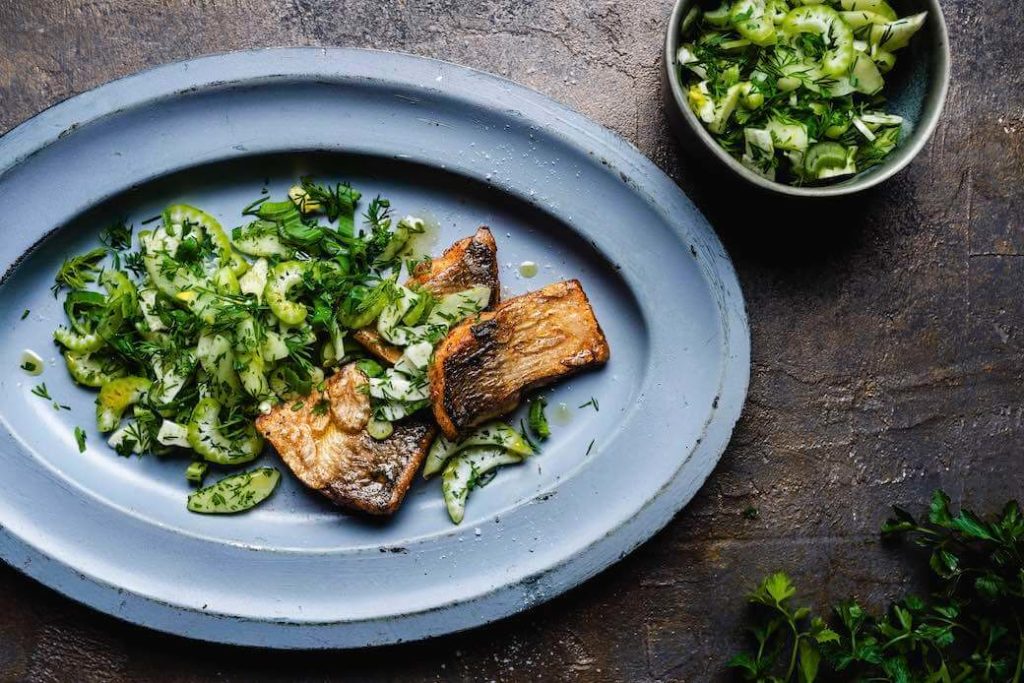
(916, 90)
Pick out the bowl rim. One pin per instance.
(923, 130)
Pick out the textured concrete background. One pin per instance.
(887, 338)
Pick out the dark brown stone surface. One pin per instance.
(887, 338)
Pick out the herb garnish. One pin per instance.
(592, 403)
(42, 392)
(80, 439)
(537, 420)
(968, 629)
(78, 271)
(117, 236)
(25, 313)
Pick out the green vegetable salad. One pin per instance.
(190, 331)
(793, 88)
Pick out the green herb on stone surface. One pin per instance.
(969, 629)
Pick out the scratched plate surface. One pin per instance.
(464, 149)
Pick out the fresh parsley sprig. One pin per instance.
(969, 630)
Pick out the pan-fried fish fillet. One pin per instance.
(470, 261)
(371, 340)
(330, 451)
(483, 367)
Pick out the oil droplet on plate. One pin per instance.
(421, 245)
(31, 362)
(527, 268)
(561, 415)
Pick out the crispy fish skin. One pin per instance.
(331, 452)
(470, 261)
(483, 367)
(371, 340)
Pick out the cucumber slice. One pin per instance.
(379, 429)
(897, 34)
(226, 282)
(825, 22)
(415, 359)
(93, 370)
(147, 304)
(390, 320)
(463, 472)
(881, 7)
(173, 434)
(724, 109)
(866, 77)
(788, 136)
(206, 439)
(236, 493)
(129, 440)
(718, 17)
(196, 471)
(260, 239)
(254, 281)
(456, 307)
(283, 277)
(115, 397)
(397, 387)
(496, 434)
(158, 250)
(81, 343)
(177, 215)
(171, 375)
(750, 20)
(217, 357)
(858, 20)
(883, 59)
(826, 160)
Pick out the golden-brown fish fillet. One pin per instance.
(470, 261)
(483, 367)
(371, 340)
(330, 451)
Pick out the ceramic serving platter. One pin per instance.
(462, 148)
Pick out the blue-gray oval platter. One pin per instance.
(460, 146)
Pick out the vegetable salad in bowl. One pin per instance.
(794, 91)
